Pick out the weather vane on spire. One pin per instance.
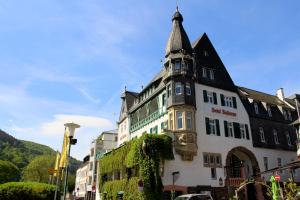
(177, 5)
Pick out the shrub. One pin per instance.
(8, 172)
(26, 191)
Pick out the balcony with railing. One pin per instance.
(152, 117)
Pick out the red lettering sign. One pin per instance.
(224, 112)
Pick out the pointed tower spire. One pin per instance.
(178, 39)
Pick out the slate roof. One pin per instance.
(261, 96)
(178, 39)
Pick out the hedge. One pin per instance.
(111, 188)
(26, 191)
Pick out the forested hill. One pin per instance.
(21, 152)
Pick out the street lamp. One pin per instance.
(173, 184)
(70, 130)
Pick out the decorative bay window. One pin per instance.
(183, 120)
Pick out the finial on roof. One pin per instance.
(142, 87)
(125, 88)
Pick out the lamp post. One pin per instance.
(173, 184)
(70, 128)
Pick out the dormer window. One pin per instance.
(178, 88)
(269, 111)
(211, 74)
(256, 108)
(204, 72)
(177, 65)
(262, 134)
(275, 136)
(205, 53)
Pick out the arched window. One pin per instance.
(262, 134)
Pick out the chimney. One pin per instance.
(280, 94)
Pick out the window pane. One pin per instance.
(188, 89)
(178, 89)
(188, 120)
(179, 120)
(177, 65)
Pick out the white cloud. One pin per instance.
(88, 96)
(56, 127)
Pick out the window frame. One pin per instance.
(177, 65)
(178, 86)
(210, 97)
(204, 72)
(211, 74)
(262, 134)
(243, 131)
(230, 129)
(188, 89)
(269, 111)
(188, 120)
(275, 134)
(179, 118)
(213, 126)
(256, 108)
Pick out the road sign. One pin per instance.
(277, 177)
(51, 171)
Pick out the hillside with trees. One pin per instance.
(26, 157)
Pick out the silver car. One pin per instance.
(194, 197)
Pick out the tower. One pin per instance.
(180, 67)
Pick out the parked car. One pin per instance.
(194, 197)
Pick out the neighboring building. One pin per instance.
(222, 133)
(106, 142)
(82, 179)
(86, 176)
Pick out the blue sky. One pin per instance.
(69, 60)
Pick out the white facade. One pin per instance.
(105, 143)
(81, 181)
(194, 172)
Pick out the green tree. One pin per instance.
(8, 172)
(37, 169)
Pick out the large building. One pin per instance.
(222, 133)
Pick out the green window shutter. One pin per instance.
(226, 128)
(234, 102)
(237, 130)
(207, 126)
(222, 100)
(150, 130)
(205, 96)
(162, 125)
(247, 132)
(215, 98)
(218, 127)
